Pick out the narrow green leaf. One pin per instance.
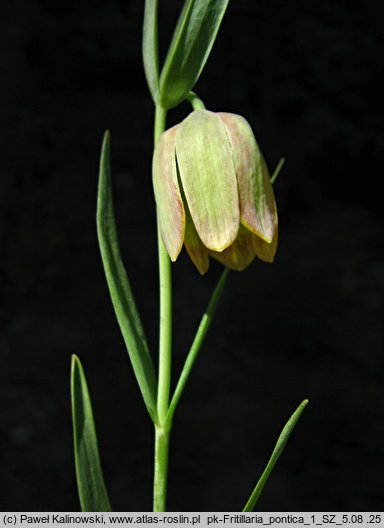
(120, 289)
(279, 447)
(277, 170)
(192, 41)
(90, 481)
(202, 330)
(150, 47)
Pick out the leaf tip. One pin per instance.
(106, 137)
(75, 362)
(277, 170)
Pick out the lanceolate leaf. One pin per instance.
(202, 330)
(279, 447)
(150, 47)
(90, 481)
(119, 286)
(191, 45)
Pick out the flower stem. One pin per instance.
(165, 277)
(196, 102)
(165, 357)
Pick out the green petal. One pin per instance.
(238, 255)
(196, 250)
(257, 201)
(170, 208)
(208, 177)
(242, 252)
(263, 250)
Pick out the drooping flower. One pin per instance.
(213, 192)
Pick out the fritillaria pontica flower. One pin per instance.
(213, 192)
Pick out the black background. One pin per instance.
(306, 76)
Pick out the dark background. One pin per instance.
(306, 76)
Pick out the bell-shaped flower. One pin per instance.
(213, 192)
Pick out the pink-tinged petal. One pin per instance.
(170, 207)
(257, 201)
(208, 178)
(263, 250)
(196, 249)
(238, 255)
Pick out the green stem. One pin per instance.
(161, 469)
(165, 356)
(196, 102)
(165, 277)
